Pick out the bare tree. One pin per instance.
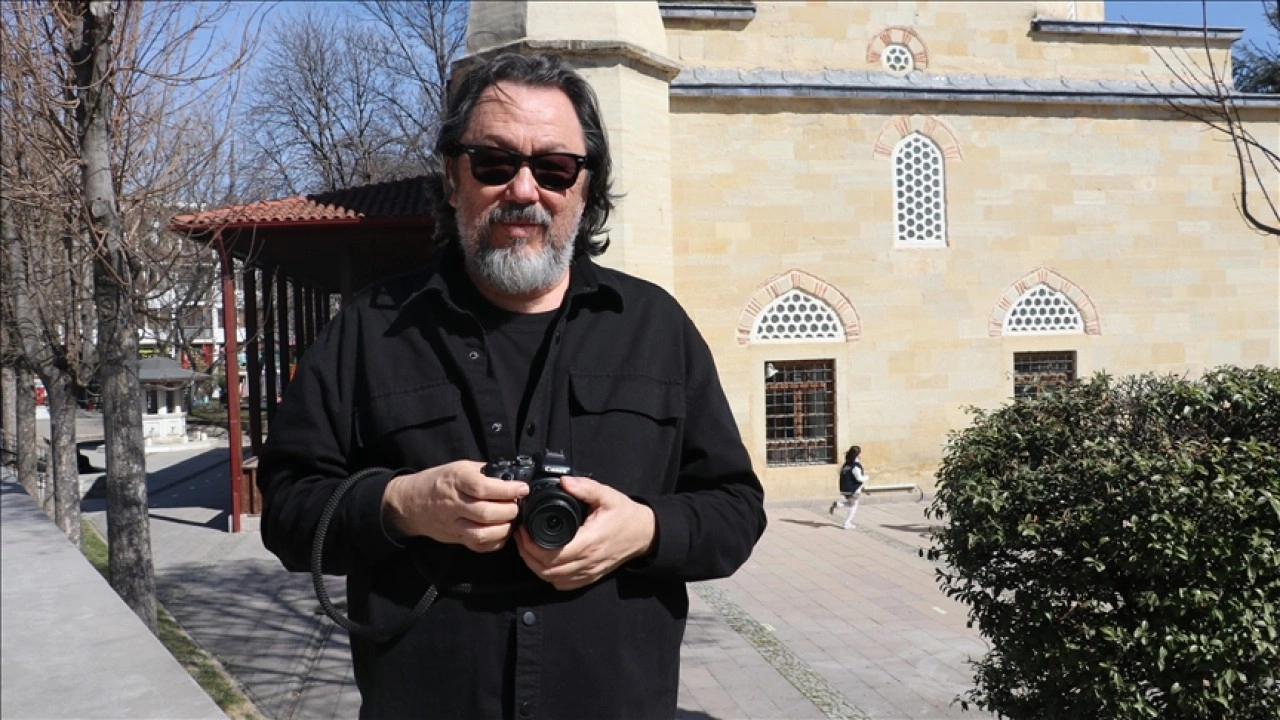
(352, 98)
(45, 280)
(1204, 93)
(424, 38)
(92, 29)
(21, 450)
(111, 116)
(317, 109)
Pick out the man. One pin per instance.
(514, 342)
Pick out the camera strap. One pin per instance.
(317, 575)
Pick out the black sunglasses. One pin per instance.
(496, 166)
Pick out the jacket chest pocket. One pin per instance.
(626, 429)
(417, 428)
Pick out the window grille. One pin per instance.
(1042, 311)
(898, 59)
(918, 193)
(797, 316)
(1036, 372)
(800, 412)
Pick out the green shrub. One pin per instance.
(1118, 545)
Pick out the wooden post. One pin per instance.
(308, 317)
(229, 347)
(299, 324)
(253, 361)
(269, 340)
(282, 327)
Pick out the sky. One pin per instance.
(1247, 14)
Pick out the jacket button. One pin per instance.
(526, 709)
(529, 618)
(473, 355)
(496, 427)
(530, 429)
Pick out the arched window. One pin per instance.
(919, 191)
(799, 395)
(1043, 302)
(1042, 310)
(797, 316)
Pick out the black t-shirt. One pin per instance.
(517, 351)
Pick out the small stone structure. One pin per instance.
(164, 418)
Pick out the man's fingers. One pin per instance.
(482, 537)
(484, 546)
(585, 489)
(538, 558)
(482, 487)
(553, 565)
(489, 512)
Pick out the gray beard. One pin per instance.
(512, 270)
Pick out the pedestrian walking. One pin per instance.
(852, 478)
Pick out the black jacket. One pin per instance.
(849, 482)
(629, 391)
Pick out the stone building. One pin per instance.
(882, 213)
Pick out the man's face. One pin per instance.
(518, 237)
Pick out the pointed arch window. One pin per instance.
(1042, 310)
(797, 316)
(919, 193)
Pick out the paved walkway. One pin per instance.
(71, 648)
(820, 623)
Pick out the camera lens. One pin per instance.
(553, 521)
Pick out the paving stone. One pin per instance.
(819, 623)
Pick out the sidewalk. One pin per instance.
(71, 648)
(820, 622)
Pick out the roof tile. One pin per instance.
(396, 198)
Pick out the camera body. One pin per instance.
(550, 515)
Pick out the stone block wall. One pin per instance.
(980, 38)
(1128, 212)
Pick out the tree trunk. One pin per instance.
(128, 525)
(8, 400)
(21, 330)
(62, 455)
(28, 448)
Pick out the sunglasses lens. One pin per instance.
(555, 172)
(493, 167)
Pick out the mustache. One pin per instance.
(532, 214)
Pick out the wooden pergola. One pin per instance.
(293, 254)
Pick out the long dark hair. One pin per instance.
(540, 71)
(852, 454)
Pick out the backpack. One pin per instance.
(848, 483)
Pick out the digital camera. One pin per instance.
(550, 515)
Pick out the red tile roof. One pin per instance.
(393, 199)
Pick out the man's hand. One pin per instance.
(616, 530)
(454, 503)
